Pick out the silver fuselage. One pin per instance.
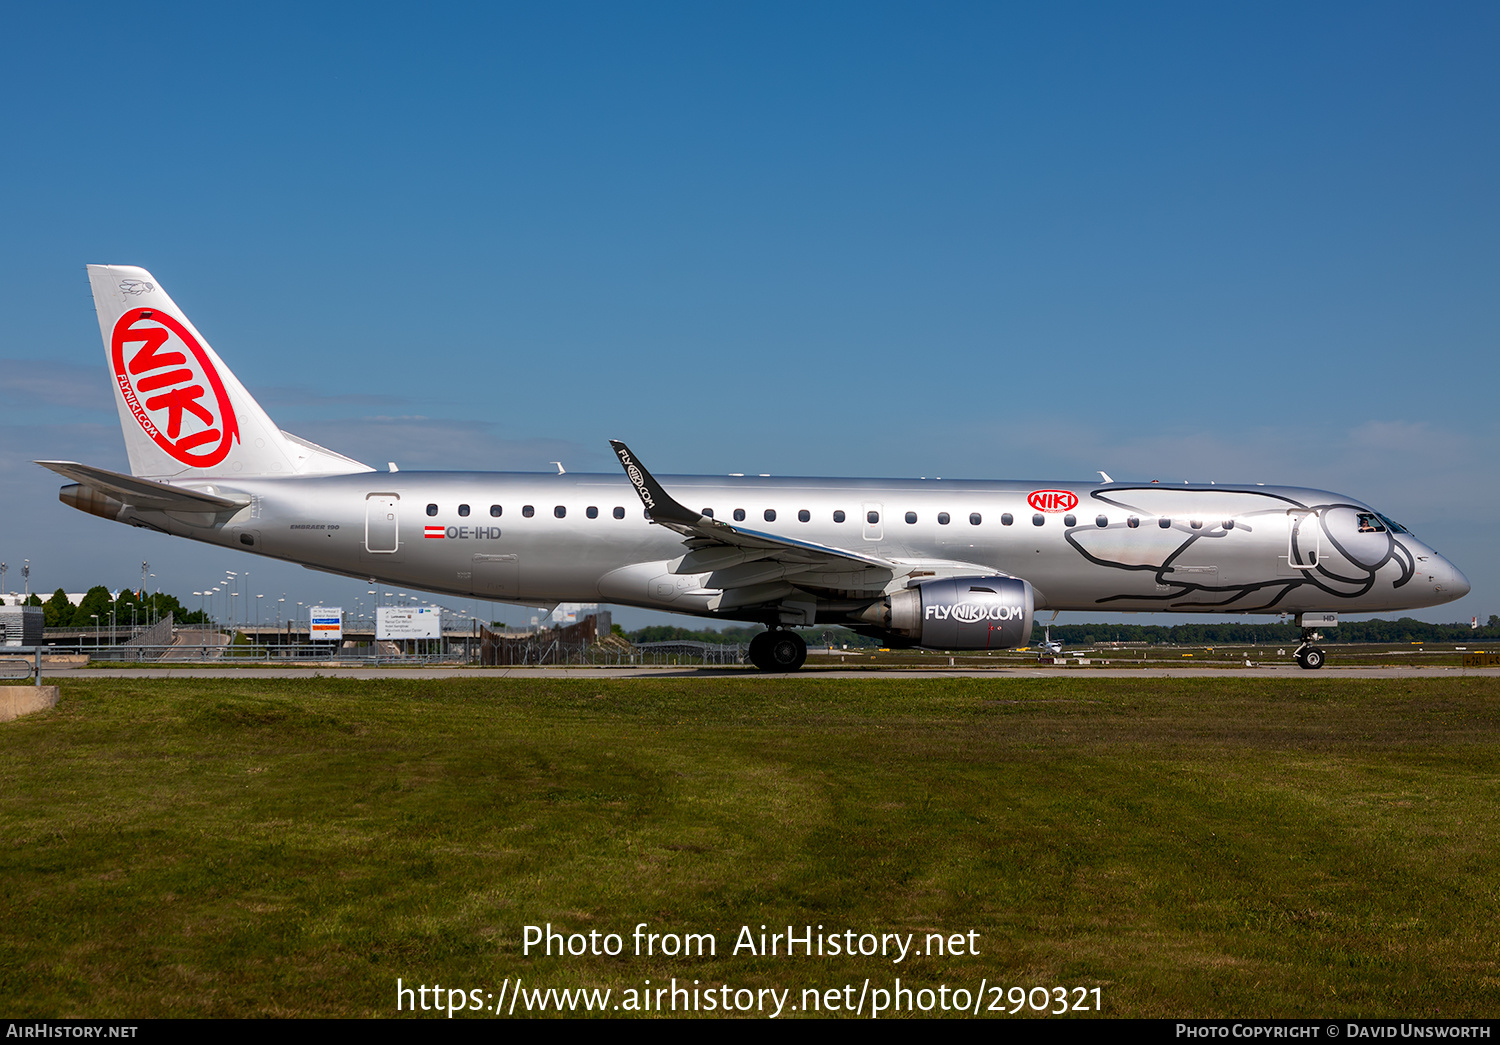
(1189, 548)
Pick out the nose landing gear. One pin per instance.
(1309, 657)
(778, 650)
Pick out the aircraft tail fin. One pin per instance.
(183, 412)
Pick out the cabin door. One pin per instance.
(382, 523)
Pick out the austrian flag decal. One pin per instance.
(432, 531)
(172, 388)
(1053, 500)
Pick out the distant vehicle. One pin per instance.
(961, 565)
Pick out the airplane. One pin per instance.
(1050, 647)
(956, 565)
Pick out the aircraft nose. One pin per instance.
(1457, 585)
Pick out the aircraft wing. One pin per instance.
(751, 567)
(145, 493)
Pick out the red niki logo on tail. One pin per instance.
(175, 395)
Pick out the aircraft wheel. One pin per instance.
(1311, 658)
(785, 651)
(758, 653)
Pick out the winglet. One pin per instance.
(658, 503)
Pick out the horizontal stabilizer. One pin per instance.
(146, 493)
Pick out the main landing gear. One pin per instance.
(778, 650)
(1308, 655)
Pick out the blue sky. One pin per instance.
(1169, 241)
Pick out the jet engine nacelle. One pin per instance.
(965, 613)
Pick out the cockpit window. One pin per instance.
(1394, 526)
(1369, 522)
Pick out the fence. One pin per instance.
(577, 644)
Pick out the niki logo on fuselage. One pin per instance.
(172, 388)
(1053, 500)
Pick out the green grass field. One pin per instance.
(1191, 847)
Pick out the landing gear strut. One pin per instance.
(1309, 656)
(778, 650)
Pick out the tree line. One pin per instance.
(128, 608)
(1403, 630)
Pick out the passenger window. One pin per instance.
(1133, 522)
(1164, 523)
(559, 511)
(1007, 519)
(527, 511)
(1070, 520)
(770, 514)
(591, 511)
(494, 511)
(838, 516)
(463, 510)
(1038, 519)
(872, 518)
(975, 519)
(911, 517)
(1101, 521)
(942, 518)
(619, 513)
(1196, 524)
(804, 515)
(1228, 524)
(708, 512)
(432, 509)
(739, 515)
